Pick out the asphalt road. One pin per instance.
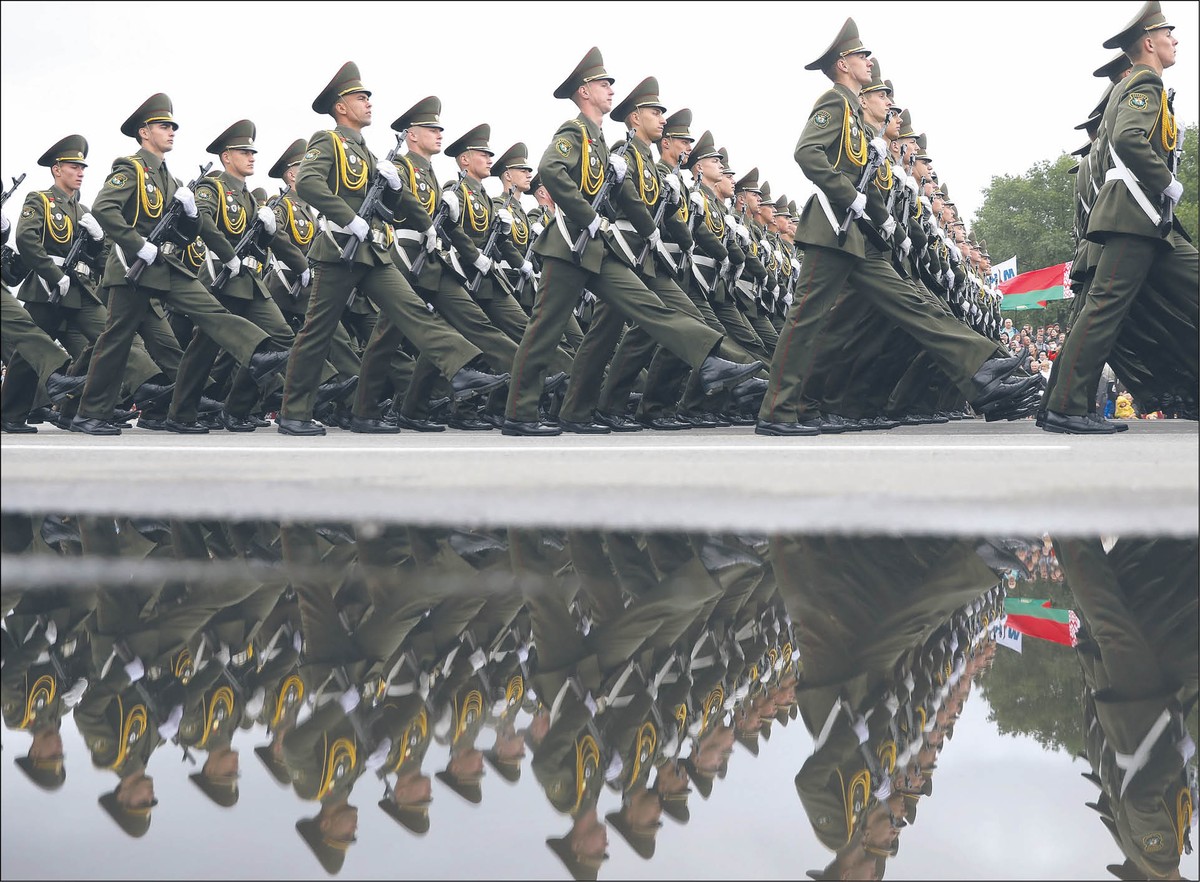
(961, 477)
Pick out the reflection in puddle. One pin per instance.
(598, 687)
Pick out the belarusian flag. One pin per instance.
(1033, 289)
(1037, 618)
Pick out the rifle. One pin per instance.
(598, 200)
(248, 245)
(439, 221)
(1173, 158)
(12, 267)
(372, 203)
(660, 211)
(163, 230)
(70, 261)
(489, 246)
(874, 163)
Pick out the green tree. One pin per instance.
(1030, 215)
(1187, 210)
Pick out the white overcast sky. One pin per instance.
(996, 86)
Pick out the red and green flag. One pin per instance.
(1032, 290)
(1037, 618)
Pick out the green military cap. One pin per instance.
(589, 69)
(239, 136)
(748, 740)
(582, 867)
(677, 125)
(261, 196)
(221, 789)
(725, 167)
(748, 181)
(330, 852)
(1113, 69)
(945, 194)
(1149, 18)
(508, 768)
(764, 191)
(877, 83)
(1092, 124)
(413, 816)
(644, 94)
(782, 207)
(156, 108)
(466, 786)
(971, 238)
(277, 767)
(134, 821)
(983, 249)
(792, 213)
(1082, 150)
(906, 125)
(703, 148)
(845, 43)
(73, 148)
(702, 779)
(475, 139)
(641, 837)
(675, 804)
(516, 156)
(426, 112)
(48, 774)
(923, 147)
(535, 183)
(345, 82)
(294, 155)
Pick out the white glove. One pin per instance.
(743, 234)
(90, 224)
(523, 654)
(1186, 748)
(349, 700)
(134, 669)
(594, 227)
(861, 730)
(359, 227)
(697, 200)
(590, 703)
(5, 223)
(526, 269)
(892, 703)
(906, 246)
(499, 706)
(170, 726)
(859, 205)
(431, 239)
(483, 263)
(884, 790)
(222, 655)
(909, 683)
(615, 766)
(147, 253)
(899, 174)
(187, 199)
(879, 145)
(268, 219)
(889, 226)
(254, 704)
(51, 632)
(618, 166)
(1174, 191)
(305, 278)
(654, 238)
(477, 659)
(537, 228)
(234, 265)
(587, 297)
(453, 208)
(63, 285)
(506, 219)
(672, 181)
(948, 278)
(297, 637)
(73, 695)
(910, 181)
(741, 692)
(388, 172)
(379, 754)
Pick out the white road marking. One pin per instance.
(540, 448)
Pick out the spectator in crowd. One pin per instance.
(1124, 407)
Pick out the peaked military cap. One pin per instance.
(589, 69)
(725, 166)
(1082, 150)
(906, 125)
(782, 206)
(426, 112)
(641, 837)
(581, 867)
(516, 156)
(923, 147)
(971, 238)
(330, 852)
(261, 196)
(221, 789)
(292, 156)
(156, 108)
(345, 82)
(412, 816)
(644, 94)
(466, 786)
(792, 207)
(946, 194)
(475, 139)
(1113, 69)
(1091, 124)
(48, 774)
(1149, 18)
(508, 768)
(278, 768)
(239, 136)
(73, 148)
(677, 125)
(845, 43)
(764, 190)
(877, 83)
(748, 181)
(675, 804)
(703, 148)
(535, 183)
(134, 821)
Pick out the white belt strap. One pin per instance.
(1121, 172)
(616, 230)
(823, 201)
